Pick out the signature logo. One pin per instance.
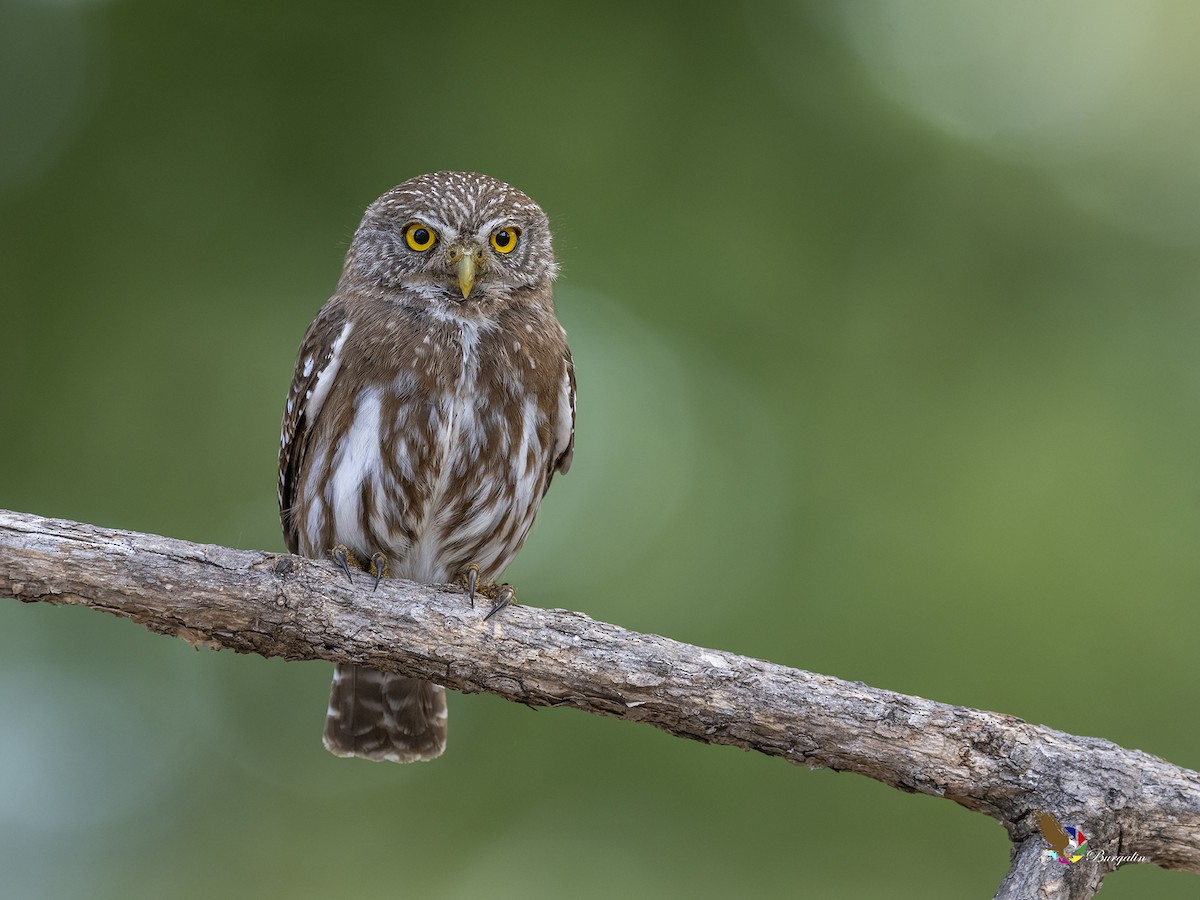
(1066, 844)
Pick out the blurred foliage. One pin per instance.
(885, 323)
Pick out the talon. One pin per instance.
(378, 567)
(472, 578)
(504, 596)
(339, 556)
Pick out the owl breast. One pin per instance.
(445, 464)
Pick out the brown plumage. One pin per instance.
(433, 401)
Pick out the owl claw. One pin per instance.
(378, 568)
(504, 596)
(347, 559)
(501, 594)
(472, 578)
(341, 556)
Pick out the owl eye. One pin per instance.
(419, 237)
(504, 240)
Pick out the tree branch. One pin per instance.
(1032, 878)
(1139, 808)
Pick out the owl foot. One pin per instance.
(346, 558)
(501, 594)
(504, 596)
(378, 568)
(472, 577)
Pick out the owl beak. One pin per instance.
(466, 262)
(464, 271)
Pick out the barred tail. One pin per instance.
(379, 716)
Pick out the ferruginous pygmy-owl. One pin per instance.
(433, 401)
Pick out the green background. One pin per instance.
(885, 321)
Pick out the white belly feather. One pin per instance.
(493, 519)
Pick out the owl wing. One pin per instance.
(317, 366)
(564, 434)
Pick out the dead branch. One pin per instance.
(1139, 808)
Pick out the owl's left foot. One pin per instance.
(501, 594)
(505, 593)
(378, 568)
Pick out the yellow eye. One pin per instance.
(419, 237)
(504, 240)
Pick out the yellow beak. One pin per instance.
(464, 271)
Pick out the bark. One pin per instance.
(1139, 808)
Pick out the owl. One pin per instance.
(433, 401)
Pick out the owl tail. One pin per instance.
(375, 715)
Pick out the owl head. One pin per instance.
(452, 238)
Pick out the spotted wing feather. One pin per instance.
(315, 362)
(564, 447)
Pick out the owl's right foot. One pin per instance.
(347, 558)
(472, 577)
